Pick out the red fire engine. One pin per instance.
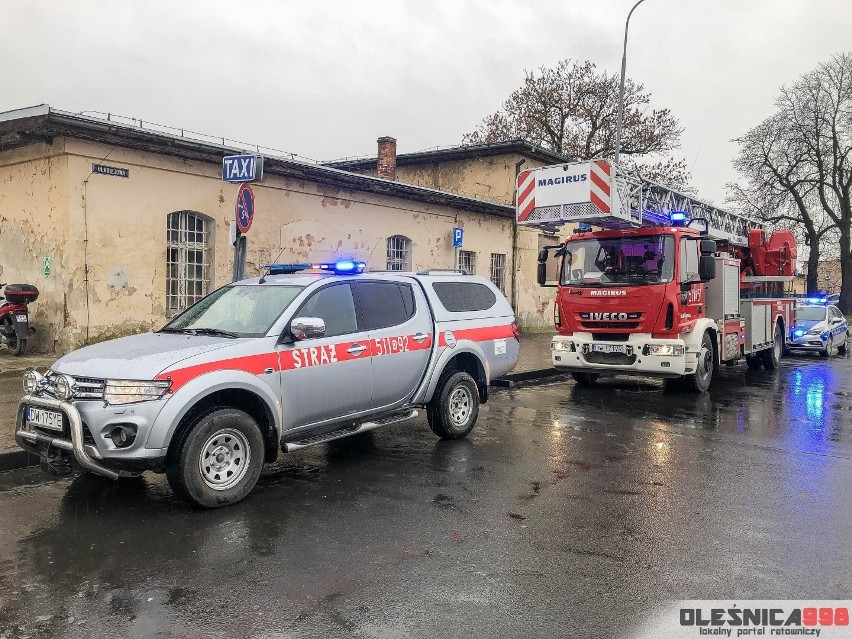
(654, 281)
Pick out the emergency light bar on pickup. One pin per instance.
(598, 193)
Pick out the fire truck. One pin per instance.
(653, 281)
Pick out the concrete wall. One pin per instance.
(117, 226)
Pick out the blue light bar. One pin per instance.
(342, 267)
(798, 332)
(816, 300)
(677, 218)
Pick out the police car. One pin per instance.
(819, 327)
(304, 355)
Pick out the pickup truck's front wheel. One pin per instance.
(218, 461)
(455, 406)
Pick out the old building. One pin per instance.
(486, 172)
(122, 224)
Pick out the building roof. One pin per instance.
(463, 152)
(23, 127)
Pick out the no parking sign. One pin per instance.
(245, 208)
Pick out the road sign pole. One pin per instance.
(240, 250)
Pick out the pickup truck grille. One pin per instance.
(86, 387)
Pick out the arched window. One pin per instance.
(187, 259)
(399, 253)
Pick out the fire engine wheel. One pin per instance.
(753, 362)
(771, 357)
(585, 379)
(218, 460)
(699, 381)
(16, 345)
(453, 410)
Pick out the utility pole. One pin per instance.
(621, 87)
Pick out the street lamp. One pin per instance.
(621, 88)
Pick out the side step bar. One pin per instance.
(363, 427)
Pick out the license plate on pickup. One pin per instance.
(608, 348)
(50, 419)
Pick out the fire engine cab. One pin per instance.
(653, 281)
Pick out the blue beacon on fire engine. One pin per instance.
(678, 218)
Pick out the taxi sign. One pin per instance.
(242, 168)
(245, 208)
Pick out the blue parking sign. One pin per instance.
(458, 236)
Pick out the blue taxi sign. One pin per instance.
(242, 168)
(245, 208)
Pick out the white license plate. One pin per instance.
(49, 419)
(21, 318)
(608, 348)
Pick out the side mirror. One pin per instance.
(307, 328)
(542, 256)
(706, 267)
(707, 247)
(836, 320)
(541, 273)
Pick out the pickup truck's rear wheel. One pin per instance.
(219, 460)
(455, 406)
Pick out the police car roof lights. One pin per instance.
(814, 301)
(341, 267)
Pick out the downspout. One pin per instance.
(518, 166)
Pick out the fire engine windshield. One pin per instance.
(620, 261)
(235, 311)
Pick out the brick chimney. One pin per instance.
(386, 166)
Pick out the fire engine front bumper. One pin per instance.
(640, 354)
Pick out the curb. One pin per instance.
(18, 459)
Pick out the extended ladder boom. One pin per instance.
(597, 193)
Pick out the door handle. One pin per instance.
(356, 349)
(419, 337)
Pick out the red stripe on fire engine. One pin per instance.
(527, 190)
(523, 175)
(603, 165)
(599, 182)
(598, 202)
(527, 210)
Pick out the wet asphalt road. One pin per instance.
(568, 512)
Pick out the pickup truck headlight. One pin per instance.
(665, 350)
(129, 391)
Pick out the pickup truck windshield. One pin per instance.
(235, 311)
(620, 261)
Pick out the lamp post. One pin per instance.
(621, 87)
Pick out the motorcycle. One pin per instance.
(14, 316)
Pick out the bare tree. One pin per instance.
(572, 109)
(780, 187)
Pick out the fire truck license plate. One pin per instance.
(44, 418)
(608, 348)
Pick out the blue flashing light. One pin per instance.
(678, 218)
(816, 300)
(584, 227)
(342, 267)
(798, 332)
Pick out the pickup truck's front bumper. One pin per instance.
(110, 463)
(640, 354)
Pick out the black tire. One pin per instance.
(771, 357)
(585, 379)
(841, 347)
(754, 362)
(16, 345)
(699, 381)
(454, 408)
(232, 439)
(825, 352)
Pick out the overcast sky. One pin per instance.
(325, 78)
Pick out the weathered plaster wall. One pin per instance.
(34, 226)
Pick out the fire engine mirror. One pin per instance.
(541, 274)
(307, 328)
(707, 247)
(706, 268)
(542, 256)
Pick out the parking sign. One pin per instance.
(458, 236)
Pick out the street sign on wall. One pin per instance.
(245, 208)
(458, 237)
(242, 168)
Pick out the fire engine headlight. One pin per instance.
(560, 345)
(129, 391)
(64, 387)
(31, 381)
(664, 350)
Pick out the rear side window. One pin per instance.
(384, 304)
(461, 297)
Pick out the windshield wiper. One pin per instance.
(212, 331)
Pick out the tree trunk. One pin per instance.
(813, 267)
(845, 303)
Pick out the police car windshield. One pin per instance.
(619, 261)
(237, 310)
(810, 313)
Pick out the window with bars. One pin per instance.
(399, 253)
(187, 259)
(498, 271)
(467, 261)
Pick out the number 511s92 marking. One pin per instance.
(389, 345)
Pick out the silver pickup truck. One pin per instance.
(281, 362)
